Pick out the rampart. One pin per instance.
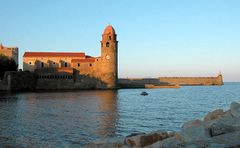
(137, 82)
(65, 79)
(69, 79)
(193, 80)
(169, 81)
(18, 81)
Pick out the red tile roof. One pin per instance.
(91, 59)
(54, 54)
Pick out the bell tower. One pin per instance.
(109, 57)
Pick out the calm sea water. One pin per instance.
(69, 119)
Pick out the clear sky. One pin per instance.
(156, 37)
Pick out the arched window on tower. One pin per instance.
(65, 65)
(42, 64)
(109, 37)
(107, 44)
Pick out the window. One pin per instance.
(90, 65)
(109, 37)
(42, 64)
(107, 44)
(30, 63)
(78, 64)
(54, 63)
(65, 65)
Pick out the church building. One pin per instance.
(76, 70)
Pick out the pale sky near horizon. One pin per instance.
(156, 37)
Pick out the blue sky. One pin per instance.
(156, 37)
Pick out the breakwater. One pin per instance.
(169, 82)
(183, 81)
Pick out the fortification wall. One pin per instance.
(54, 84)
(170, 81)
(66, 78)
(69, 83)
(18, 81)
(137, 82)
(193, 80)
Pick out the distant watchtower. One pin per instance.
(109, 57)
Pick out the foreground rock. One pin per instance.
(218, 129)
(235, 109)
(142, 140)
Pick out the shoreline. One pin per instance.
(218, 129)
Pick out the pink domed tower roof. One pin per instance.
(109, 30)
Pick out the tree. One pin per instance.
(6, 64)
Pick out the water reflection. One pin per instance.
(109, 115)
(61, 119)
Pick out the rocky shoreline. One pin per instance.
(218, 129)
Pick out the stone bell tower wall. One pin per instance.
(109, 60)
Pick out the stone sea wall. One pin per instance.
(218, 129)
(28, 81)
(18, 81)
(69, 83)
(137, 82)
(169, 81)
(70, 80)
(193, 80)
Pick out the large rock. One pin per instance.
(216, 114)
(194, 133)
(223, 126)
(235, 109)
(192, 123)
(218, 129)
(134, 139)
(142, 140)
(115, 142)
(202, 144)
(230, 139)
(227, 114)
(166, 143)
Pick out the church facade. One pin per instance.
(76, 70)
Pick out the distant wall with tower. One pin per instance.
(170, 81)
(193, 80)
